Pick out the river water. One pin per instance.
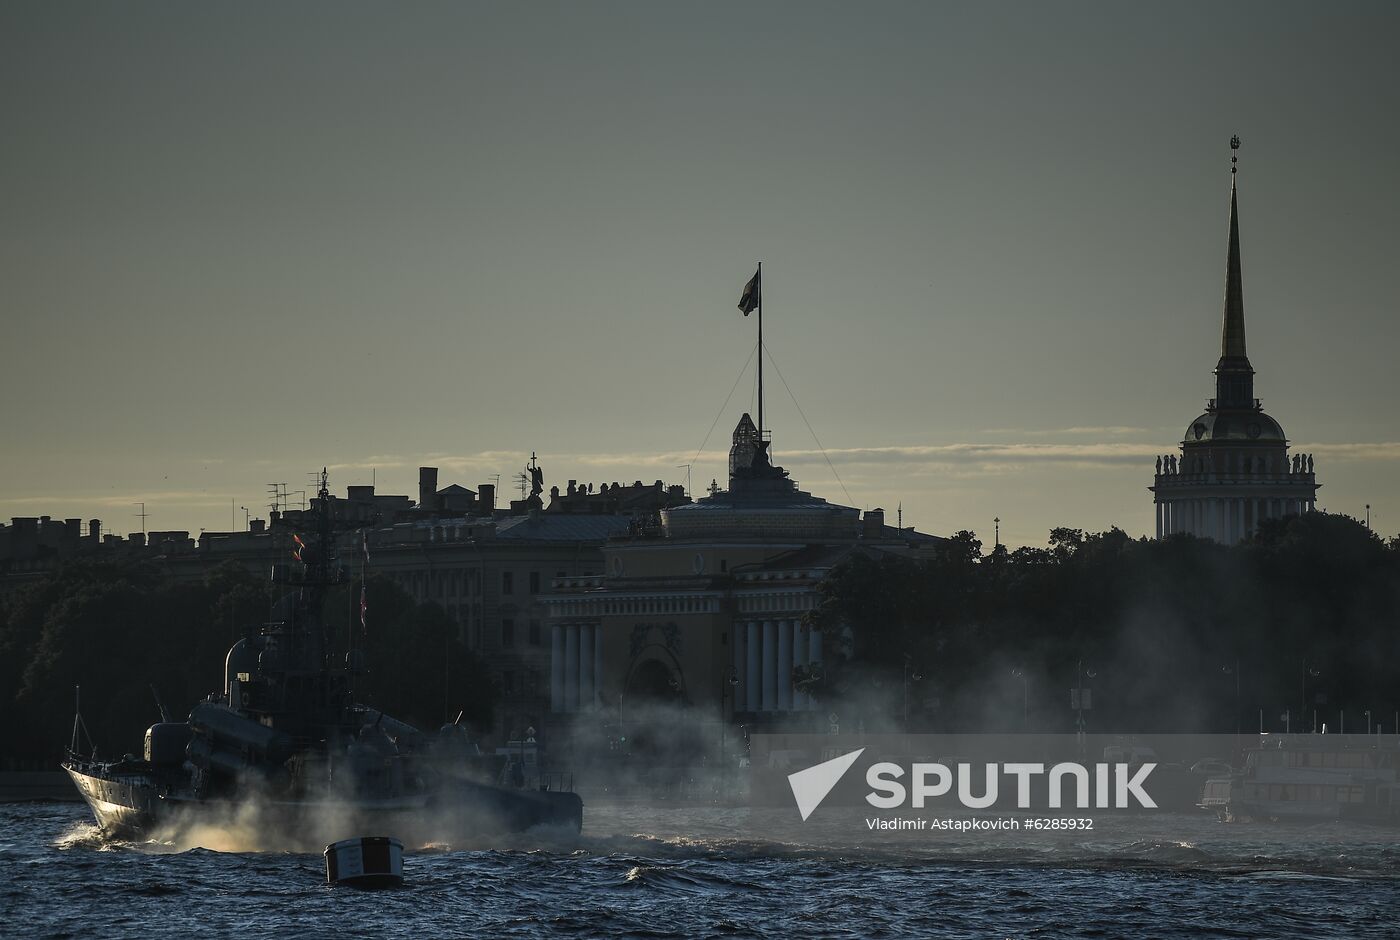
(675, 871)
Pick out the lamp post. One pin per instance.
(1308, 672)
(1081, 700)
(726, 688)
(1234, 670)
(1020, 673)
(911, 673)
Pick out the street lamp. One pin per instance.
(1308, 672)
(911, 674)
(1081, 700)
(1020, 673)
(1234, 670)
(726, 688)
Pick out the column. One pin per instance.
(814, 657)
(556, 668)
(785, 665)
(597, 663)
(770, 665)
(741, 689)
(753, 697)
(585, 665)
(800, 700)
(1243, 531)
(570, 667)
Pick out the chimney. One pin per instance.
(427, 488)
(95, 529)
(138, 538)
(874, 522)
(486, 497)
(257, 526)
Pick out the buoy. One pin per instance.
(367, 862)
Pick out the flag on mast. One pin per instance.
(749, 301)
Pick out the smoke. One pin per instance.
(453, 812)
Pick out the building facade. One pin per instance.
(1234, 470)
(711, 609)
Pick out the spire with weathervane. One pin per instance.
(1234, 376)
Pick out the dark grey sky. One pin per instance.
(240, 241)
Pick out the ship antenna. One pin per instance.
(78, 724)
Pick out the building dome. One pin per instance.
(1246, 426)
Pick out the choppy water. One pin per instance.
(689, 872)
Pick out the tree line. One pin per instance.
(1301, 623)
(126, 631)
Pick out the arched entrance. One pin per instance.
(655, 720)
(652, 682)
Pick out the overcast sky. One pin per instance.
(241, 241)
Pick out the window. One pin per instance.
(534, 582)
(534, 633)
(507, 582)
(507, 633)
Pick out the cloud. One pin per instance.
(958, 459)
(1380, 450)
(1115, 429)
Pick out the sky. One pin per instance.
(240, 242)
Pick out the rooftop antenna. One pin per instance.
(899, 510)
(686, 468)
(997, 522)
(142, 514)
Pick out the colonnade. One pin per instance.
(575, 666)
(1227, 519)
(765, 654)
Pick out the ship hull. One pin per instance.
(123, 809)
(137, 808)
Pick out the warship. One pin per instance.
(286, 747)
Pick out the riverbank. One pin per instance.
(27, 786)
